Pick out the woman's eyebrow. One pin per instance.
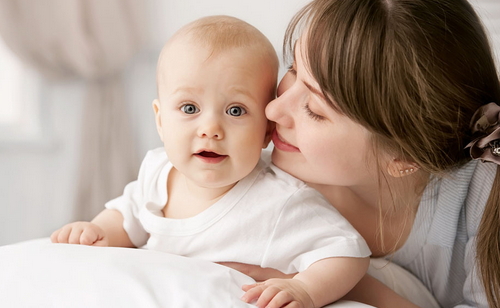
(314, 90)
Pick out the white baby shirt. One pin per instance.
(269, 218)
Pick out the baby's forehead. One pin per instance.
(183, 46)
(219, 43)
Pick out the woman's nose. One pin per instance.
(280, 109)
(211, 128)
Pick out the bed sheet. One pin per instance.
(38, 273)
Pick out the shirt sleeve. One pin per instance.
(474, 294)
(130, 203)
(478, 193)
(310, 229)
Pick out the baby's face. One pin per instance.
(210, 114)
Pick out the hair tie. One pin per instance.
(485, 121)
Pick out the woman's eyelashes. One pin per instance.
(312, 114)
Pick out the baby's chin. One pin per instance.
(221, 186)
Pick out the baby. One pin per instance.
(207, 193)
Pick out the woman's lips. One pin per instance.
(282, 145)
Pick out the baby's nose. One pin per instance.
(211, 129)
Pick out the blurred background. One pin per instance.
(77, 79)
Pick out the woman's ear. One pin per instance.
(398, 168)
(156, 109)
(269, 133)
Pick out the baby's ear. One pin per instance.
(269, 133)
(156, 109)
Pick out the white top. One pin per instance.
(269, 218)
(440, 250)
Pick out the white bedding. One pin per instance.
(41, 274)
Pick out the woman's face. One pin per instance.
(312, 141)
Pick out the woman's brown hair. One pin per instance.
(413, 72)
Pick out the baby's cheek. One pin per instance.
(250, 148)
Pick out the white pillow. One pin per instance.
(41, 274)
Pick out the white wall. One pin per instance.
(489, 11)
(37, 179)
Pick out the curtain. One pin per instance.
(92, 40)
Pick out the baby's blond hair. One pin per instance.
(224, 32)
(220, 33)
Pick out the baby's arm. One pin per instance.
(323, 282)
(106, 229)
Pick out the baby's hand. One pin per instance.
(81, 232)
(276, 293)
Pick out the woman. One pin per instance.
(380, 112)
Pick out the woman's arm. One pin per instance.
(323, 282)
(373, 292)
(256, 272)
(368, 290)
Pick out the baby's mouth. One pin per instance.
(210, 157)
(209, 154)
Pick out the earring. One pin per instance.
(406, 171)
(398, 168)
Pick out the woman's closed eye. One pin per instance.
(312, 114)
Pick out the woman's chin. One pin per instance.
(286, 162)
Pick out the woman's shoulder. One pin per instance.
(470, 182)
(474, 182)
(479, 190)
(460, 195)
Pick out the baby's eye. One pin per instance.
(236, 111)
(190, 109)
